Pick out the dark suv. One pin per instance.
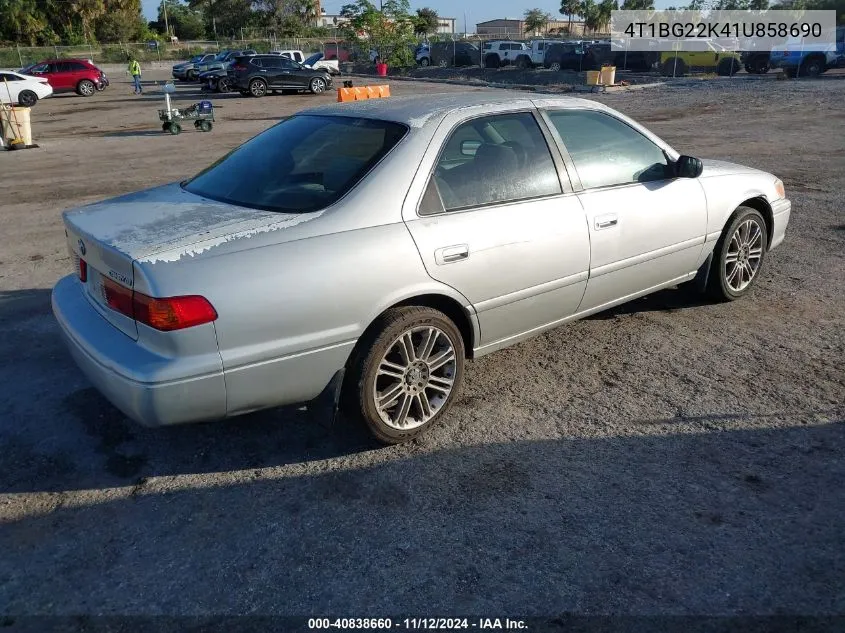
(257, 74)
(450, 54)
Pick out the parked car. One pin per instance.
(699, 56)
(317, 61)
(70, 75)
(216, 80)
(23, 90)
(578, 56)
(297, 56)
(182, 305)
(503, 53)
(536, 53)
(222, 60)
(259, 74)
(189, 70)
(443, 54)
(800, 59)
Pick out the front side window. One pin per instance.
(302, 164)
(606, 151)
(491, 160)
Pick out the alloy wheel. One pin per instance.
(744, 255)
(258, 88)
(415, 377)
(318, 85)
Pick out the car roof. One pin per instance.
(416, 112)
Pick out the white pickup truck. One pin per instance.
(315, 61)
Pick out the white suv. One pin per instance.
(502, 53)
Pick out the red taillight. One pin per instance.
(167, 314)
(173, 313)
(238, 67)
(83, 271)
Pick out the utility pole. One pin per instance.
(166, 27)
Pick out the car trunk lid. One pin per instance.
(110, 236)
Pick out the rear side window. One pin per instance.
(491, 160)
(257, 62)
(302, 164)
(75, 66)
(606, 151)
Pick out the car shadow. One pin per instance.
(736, 522)
(669, 300)
(129, 133)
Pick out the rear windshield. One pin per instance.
(302, 164)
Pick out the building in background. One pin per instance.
(445, 26)
(515, 28)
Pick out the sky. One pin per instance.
(476, 10)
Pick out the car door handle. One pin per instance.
(449, 254)
(606, 221)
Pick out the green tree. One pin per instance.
(388, 31)
(570, 8)
(426, 21)
(121, 21)
(185, 22)
(23, 21)
(638, 5)
(536, 20)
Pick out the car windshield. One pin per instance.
(302, 164)
(221, 56)
(313, 59)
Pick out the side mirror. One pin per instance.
(689, 167)
(468, 147)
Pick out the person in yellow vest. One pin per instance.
(135, 71)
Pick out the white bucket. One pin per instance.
(16, 124)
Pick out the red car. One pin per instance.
(65, 75)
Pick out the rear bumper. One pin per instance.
(781, 212)
(125, 373)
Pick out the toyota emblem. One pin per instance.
(81, 247)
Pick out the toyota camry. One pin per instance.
(366, 250)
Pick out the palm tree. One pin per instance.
(570, 8)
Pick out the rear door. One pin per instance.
(492, 219)
(9, 91)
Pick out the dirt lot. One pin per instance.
(670, 456)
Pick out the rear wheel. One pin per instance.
(205, 126)
(27, 98)
(223, 85)
(174, 128)
(425, 61)
(738, 256)
(554, 67)
(443, 63)
(191, 75)
(812, 66)
(86, 88)
(257, 88)
(317, 85)
(728, 67)
(522, 62)
(673, 68)
(406, 374)
(165, 127)
(491, 61)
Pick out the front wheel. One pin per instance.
(673, 68)
(27, 98)
(317, 85)
(257, 88)
(425, 61)
(86, 88)
(728, 67)
(406, 374)
(191, 75)
(554, 67)
(738, 256)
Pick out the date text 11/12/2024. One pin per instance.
(443, 624)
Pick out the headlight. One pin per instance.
(779, 189)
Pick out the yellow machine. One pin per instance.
(698, 56)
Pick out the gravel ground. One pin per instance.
(668, 457)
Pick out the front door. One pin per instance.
(646, 226)
(495, 222)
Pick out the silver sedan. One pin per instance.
(365, 250)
